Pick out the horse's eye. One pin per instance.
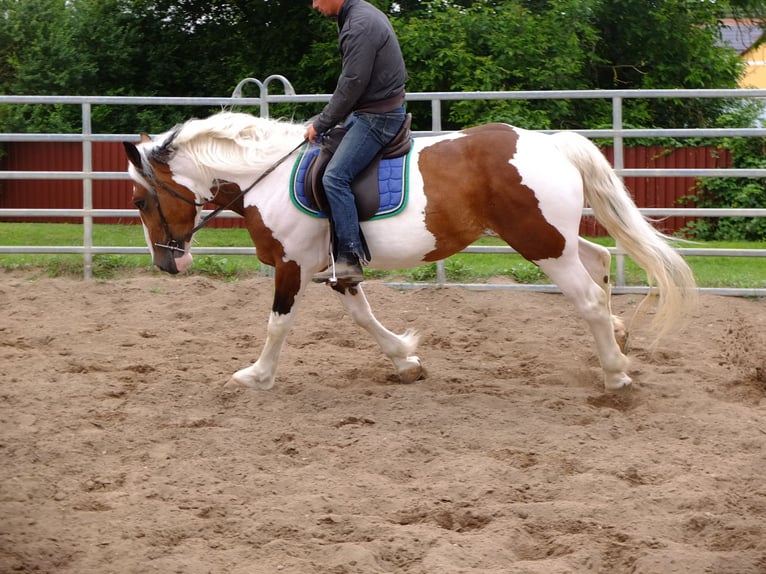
(140, 204)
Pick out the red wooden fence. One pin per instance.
(109, 156)
(662, 191)
(67, 194)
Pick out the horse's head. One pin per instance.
(203, 160)
(168, 208)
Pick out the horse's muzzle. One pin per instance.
(171, 258)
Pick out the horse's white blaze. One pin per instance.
(148, 239)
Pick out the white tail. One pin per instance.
(616, 211)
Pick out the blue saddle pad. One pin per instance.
(392, 183)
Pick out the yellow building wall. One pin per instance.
(755, 74)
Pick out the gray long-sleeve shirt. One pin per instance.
(373, 72)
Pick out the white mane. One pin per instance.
(236, 143)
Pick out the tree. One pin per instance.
(41, 57)
(140, 47)
(668, 44)
(204, 48)
(503, 47)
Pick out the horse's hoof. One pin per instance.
(233, 384)
(412, 373)
(617, 383)
(252, 378)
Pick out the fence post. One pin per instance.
(87, 192)
(436, 126)
(619, 164)
(263, 86)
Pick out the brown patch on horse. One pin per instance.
(223, 192)
(287, 283)
(471, 187)
(269, 250)
(287, 274)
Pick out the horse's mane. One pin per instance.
(236, 143)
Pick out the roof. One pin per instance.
(741, 35)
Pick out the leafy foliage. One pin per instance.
(730, 192)
(203, 48)
(499, 47)
(738, 193)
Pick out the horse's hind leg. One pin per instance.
(598, 262)
(591, 300)
(399, 348)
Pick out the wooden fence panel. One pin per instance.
(109, 156)
(67, 194)
(662, 191)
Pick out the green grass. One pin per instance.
(738, 272)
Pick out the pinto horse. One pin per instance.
(526, 187)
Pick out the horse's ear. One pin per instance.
(163, 153)
(134, 156)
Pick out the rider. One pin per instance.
(371, 89)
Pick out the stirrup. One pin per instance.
(343, 272)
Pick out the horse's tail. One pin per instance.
(616, 211)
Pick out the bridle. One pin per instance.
(176, 245)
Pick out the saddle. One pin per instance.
(365, 186)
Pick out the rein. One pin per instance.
(176, 244)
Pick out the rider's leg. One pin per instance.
(367, 135)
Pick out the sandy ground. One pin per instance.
(122, 453)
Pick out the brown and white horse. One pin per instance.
(528, 188)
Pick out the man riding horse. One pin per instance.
(370, 94)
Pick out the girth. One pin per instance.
(365, 185)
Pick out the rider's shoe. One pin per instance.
(346, 270)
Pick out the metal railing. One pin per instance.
(617, 133)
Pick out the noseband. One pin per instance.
(176, 245)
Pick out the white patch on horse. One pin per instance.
(536, 158)
(308, 249)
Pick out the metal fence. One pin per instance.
(618, 133)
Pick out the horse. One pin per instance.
(526, 187)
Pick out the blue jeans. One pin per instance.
(367, 135)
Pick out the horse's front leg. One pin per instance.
(288, 290)
(399, 348)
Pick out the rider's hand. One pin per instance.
(311, 133)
